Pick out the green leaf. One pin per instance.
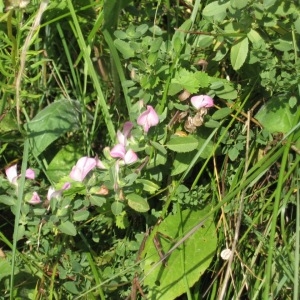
(62, 163)
(81, 215)
(238, 53)
(67, 228)
(137, 202)
(221, 113)
(276, 115)
(122, 220)
(97, 200)
(52, 122)
(71, 287)
(5, 268)
(187, 80)
(148, 185)
(255, 38)
(292, 101)
(239, 4)
(216, 10)
(124, 48)
(223, 89)
(181, 162)
(7, 200)
(186, 263)
(233, 154)
(182, 144)
(117, 207)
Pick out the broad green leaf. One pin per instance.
(71, 287)
(255, 38)
(221, 113)
(276, 115)
(7, 200)
(137, 202)
(216, 10)
(81, 215)
(148, 185)
(182, 144)
(124, 48)
(97, 200)
(239, 4)
(117, 207)
(292, 101)
(158, 147)
(238, 53)
(156, 44)
(62, 163)
(186, 263)
(233, 154)
(8, 122)
(67, 228)
(5, 268)
(52, 122)
(181, 162)
(223, 89)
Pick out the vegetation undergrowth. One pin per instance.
(149, 149)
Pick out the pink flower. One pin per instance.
(52, 193)
(119, 151)
(130, 157)
(202, 101)
(12, 175)
(122, 136)
(100, 164)
(35, 199)
(30, 174)
(83, 166)
(148, 118)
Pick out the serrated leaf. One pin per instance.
(137, 202)
(122, 220)
(68, 228)
(187, 80)
(203, 79)
(124, 48)
(52, 122)
(238, 53)
(169, 282)
(182, 144)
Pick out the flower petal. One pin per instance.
(118, 151)
(130, 157)
(202, 101)
(30, 174)
(11, 174)
(83, 166)
(148, 118)
(35, 199)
